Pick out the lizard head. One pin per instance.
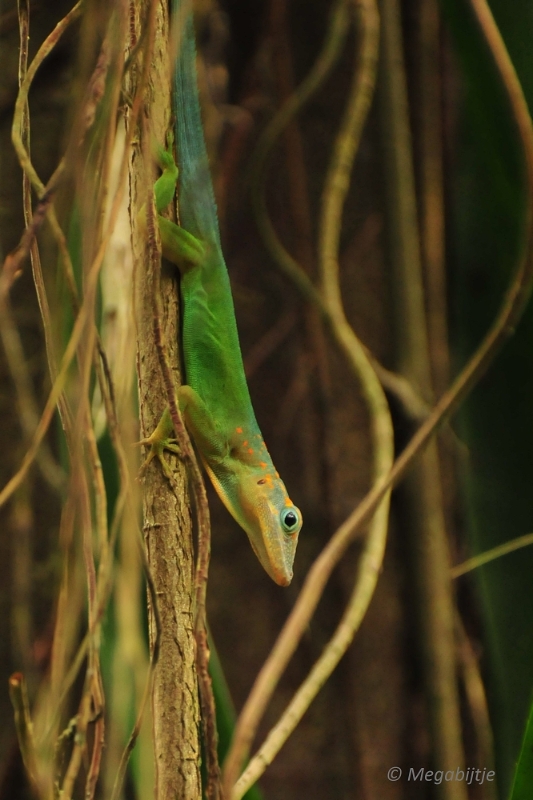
(260, 504)
(272, 523)
(257, 499)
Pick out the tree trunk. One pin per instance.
(166, 512)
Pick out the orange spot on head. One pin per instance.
(238, 430)
(250, 450)
(245, 444)
(263, 464)
(288, 502)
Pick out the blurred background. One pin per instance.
(465, 163)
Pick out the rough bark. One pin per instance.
(167, 524)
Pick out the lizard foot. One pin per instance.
(158, 442)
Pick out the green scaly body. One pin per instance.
(215, 401)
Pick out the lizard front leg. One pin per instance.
(186, 252)
(200, 425)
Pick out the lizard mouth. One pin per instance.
(260, 520)
(277, 568)
(284, 580)
(279, 574)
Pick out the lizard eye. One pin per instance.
(291, 519)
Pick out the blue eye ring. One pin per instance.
(291, 520)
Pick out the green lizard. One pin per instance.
(215, 402)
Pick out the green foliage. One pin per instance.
(225, 711)
(495, 422)
(523, 779)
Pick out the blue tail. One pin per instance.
(198, 211)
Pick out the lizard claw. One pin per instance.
(158, 442)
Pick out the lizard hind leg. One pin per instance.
(178, 245)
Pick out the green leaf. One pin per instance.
(523, 778)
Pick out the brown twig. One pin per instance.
(503, 326)
(422, 489)
(202, 508)
(19, 699)
(10, 268)
(80, 741)
(81, 492)
(10, 336)
(334, 194)
(94, 94)
(105, 578)
(477, 701)
(100, 596)
(413, 405)
(90, 287)
(14, 260)
(22, 523)
(486, 557)
(29, 417)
